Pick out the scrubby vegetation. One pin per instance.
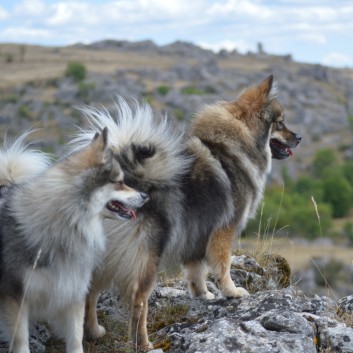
(75, 70)
(290, 207)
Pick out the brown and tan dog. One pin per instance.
(202, 191)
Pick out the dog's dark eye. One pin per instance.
(143, 152)
(280, 126)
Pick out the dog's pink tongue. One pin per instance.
(132, 214)
(290, 152)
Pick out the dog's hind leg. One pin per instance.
(16, 319)
(91, 327)
(139, 307)
(195, 273)
(219, 260)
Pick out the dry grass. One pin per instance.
(43, 63)
(299, 254)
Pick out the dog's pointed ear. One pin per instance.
(100, 143)
(100, 140)
(255, 98)
(266, 85)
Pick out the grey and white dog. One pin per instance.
(52, 236)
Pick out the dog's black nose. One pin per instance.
(298, 138)
(144, 196)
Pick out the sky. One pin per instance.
(312, 31)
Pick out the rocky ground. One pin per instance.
(276, 318)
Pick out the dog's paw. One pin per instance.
(208, 296)
(145, 347)
(236, 292)
(94, 333)
(100, 331)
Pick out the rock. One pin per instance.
(270, 321)
(345, 305)
(169, 292)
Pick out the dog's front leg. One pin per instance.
(92, 330)
(69, 325)
(139, 307)
(219, 253)
(16, 321)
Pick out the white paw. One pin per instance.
(145, 347)
(208, 296)
(236, 292)
(96, 332)
(100, 331)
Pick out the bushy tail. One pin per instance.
(135, 124)
(19, 162)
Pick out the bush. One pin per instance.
(325, 160)
(190, 90)
(75, 70)
(338, 193)
(308, 187)
(347, 169)
(292, 211)
(163, 90)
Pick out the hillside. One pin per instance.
(177, 79)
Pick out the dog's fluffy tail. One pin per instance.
(135, 124)
(19, 162)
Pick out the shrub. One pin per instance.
(190, 90)
(292, 211)
(325, 160)
(347, 169)
(338, 193)
(75, 70)
(307, 186)
(163, 90)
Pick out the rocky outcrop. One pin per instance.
(279, 320)
(268, 322)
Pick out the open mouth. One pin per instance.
(280, 150)
(120, 209)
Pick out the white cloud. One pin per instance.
(79, 13)
(241, 8)
(314, 13)
(23, 34)
(31, 8)
(337, 59)
(312, 37)
(239, 46)
(3, 14)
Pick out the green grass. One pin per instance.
(192, 90)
